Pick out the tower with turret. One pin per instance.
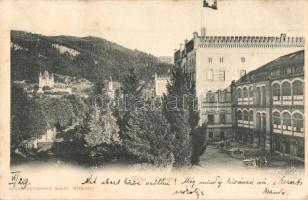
(46, 79)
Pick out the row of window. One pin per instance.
(285, 93)
(288, 123)
(221, 59)
(283, 71)
(220, 75)
(246, 95)
(222, 118)
(288, 92)
(220, 96)
(285, 123)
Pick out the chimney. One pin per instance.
(181, 46)
(203, 32)
(195, 34)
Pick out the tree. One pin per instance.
(199, 143)
(103, 129)
(149, 139)
(131, 90)
(177, 114)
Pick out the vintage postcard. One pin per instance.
(155, 99)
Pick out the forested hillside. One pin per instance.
(88, 57)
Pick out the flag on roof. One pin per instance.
(207, 4)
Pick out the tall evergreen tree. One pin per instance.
(131, 90)
(177, 114)
(149, 138)
(103, 132)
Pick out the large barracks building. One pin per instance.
(214, 61)
(268, 106)
(250, 88)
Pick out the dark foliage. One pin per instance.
(97, 59)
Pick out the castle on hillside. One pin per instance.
(212, 62)
(46, 79)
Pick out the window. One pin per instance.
(276, 120)
(276, 92)
(239, 115)
(263, 96)
(263, 122)
(298, 69)
(287, 70)
(211, 135)
(239, 93)
(286, 91)
(210, 74)
(209, 60)
(286, 122)
(242, 59)
(228, 96)
(245, 116)
(245, 92)
(259, 122)
(250, 92)
(242, 72)
(298, 123)
(221, 75)
(222, 118)
(250, 117)
(258, 95)
(298, 91)
(221, 59)
(210, 119)
(275, 73)
(222, 97)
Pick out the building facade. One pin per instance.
(214, 61)
(161, 82)
(219, 114)
(268, 105)
(46, 79)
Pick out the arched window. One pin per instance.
(250, 92)
(298, 123)
(286, 122)
(276, 92)
(239, 93)
(298, 90)
(258, 121)
(245, 92)
(245, 116)
(286, 91)
(276, 120)
(259, 96)
(251, 117)
(239, 115)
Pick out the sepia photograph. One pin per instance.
(159, 99)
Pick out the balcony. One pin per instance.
(277, 103)
(298, 134)
(298, 100)
(277, 131)
(287, 100)
(250, 101)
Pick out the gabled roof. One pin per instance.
(46, 74)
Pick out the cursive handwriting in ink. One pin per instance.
(90, 180)
(190, 191)
(17, 180)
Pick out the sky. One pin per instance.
(156, 26)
